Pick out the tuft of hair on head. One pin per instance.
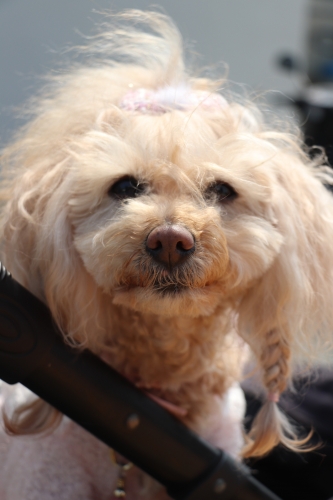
(32, 417)
(146, 39)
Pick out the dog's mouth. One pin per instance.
(163, 281)
(162, 289)
(169, 298)
(169, 288)
(183, 291)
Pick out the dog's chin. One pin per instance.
(171, 300)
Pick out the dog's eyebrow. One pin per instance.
(218, 172)
(236, 174)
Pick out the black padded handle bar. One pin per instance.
(99, 399)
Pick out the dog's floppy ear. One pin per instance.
(36, 236)
(38, 250)
(36, 233)
(288, 313)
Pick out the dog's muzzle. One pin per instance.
(170, 245)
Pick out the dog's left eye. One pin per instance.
(127, 187)
(222, 191)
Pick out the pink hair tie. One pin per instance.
(169, 98)
(274, 397)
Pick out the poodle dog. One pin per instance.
(169, 229)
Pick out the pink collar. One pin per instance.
(175, 410)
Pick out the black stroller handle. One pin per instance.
(107, 405)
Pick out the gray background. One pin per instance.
(248, 35)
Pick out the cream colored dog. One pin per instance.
(163, 225)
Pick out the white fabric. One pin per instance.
(71, 464)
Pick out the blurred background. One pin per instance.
(281, 46)
(248, 35)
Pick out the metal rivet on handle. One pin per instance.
(133, 421)
(220, 485)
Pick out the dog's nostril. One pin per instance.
(170, 244)
(155, 245)
(185, 245)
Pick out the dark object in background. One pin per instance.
(316, 109)
(315, 72)
(319, 42)
(316, 100)
(301, 476)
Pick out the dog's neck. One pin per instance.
(169, 353)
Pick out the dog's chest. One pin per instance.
(166, 353)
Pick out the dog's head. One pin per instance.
(173, 218)
(174, 213)
(168, 200)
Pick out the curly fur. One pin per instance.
(263, 263)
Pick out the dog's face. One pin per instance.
(168, 217)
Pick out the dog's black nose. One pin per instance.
(170, 244)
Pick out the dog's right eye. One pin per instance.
(222, 191)
(127, 187)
